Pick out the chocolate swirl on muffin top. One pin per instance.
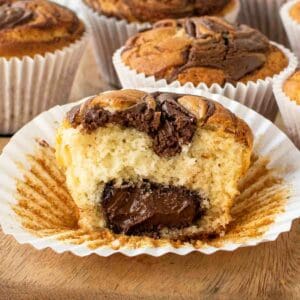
(14, 14)
(155, 10)
(169, 119)
(29, 27)
(207, 42)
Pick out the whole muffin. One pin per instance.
(34, 75)
(158, 164)
(203, 50)
(291, 87)
(30, 27)
(154, 10)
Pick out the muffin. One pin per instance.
(161, 164)
(113, 22)
(41, 44)
(295, 12)
(155, 10)
(264, 16)
(287, 93)
(206, 52)
(292, 87)
(205, 49)
(290, 16)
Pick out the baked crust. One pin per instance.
(203, 49)
(154, 10)
(292, 87)
(210, 114)
(295, 12)
(35, 27)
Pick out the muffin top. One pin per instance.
(203, 49)
(169, 119)
(155, 10)
(30, 27)
(292, 87)
(295, 12)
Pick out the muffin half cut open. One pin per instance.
(160, 164)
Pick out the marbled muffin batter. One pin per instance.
(30, 27)
(160, 164)
(203, 49)
(155, 10)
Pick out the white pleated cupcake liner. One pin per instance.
(269, 142)
(291, 26)
(29, 86)
(264, 15)
(289, 109)
(109, 34)
(256, 95)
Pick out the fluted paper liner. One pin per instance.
(36, 207)
(291, 26)
(257, 95)
(109, 34)
(289, 109)
(264, 16)
(29, 86)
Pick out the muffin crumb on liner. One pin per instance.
(36, 207)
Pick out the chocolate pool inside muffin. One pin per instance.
(147, 207)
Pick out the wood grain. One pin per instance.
(268, 271)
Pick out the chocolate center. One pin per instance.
(14, 14)
(147, 207)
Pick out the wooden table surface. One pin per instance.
(270, 270)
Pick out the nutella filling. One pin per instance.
(147, 207)
(14, 14)
(168, 123)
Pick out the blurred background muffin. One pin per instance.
(41, 44)
(287, 93)
(206, 52)
(113, 22)
(290, 15)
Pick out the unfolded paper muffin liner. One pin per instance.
(291, 26)
(289, 109)
(29, 86)
(264, 15)
(37, 209)
(109, 34)
(256, 95)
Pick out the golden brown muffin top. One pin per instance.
(169, 119)
(292, 87)
(29, 27)
(295, 12)
(174, 48)
(155, 10)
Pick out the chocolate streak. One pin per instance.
(14, 14)
(236, 49)
(147, 207)
(169, 124)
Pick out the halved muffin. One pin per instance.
(161, 164)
